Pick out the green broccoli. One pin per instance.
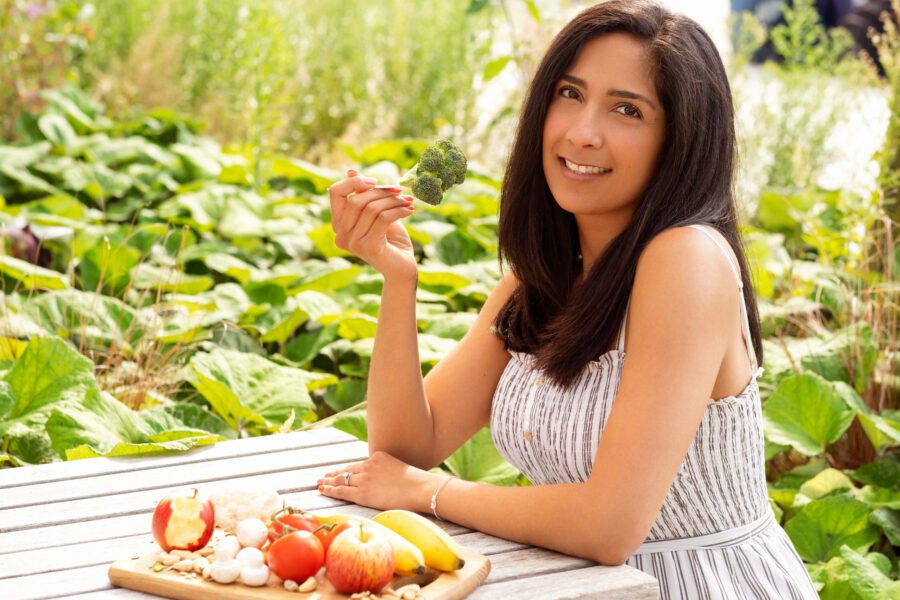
(441, 166)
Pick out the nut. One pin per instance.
(290, 585)
(309, 585)
(170, 560)
(182, 553)
(207, 572)
(157, 567)
(412, 587)
(200, 564)
(184, 566)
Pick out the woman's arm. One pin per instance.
(422, 423)
(684, 308)
(419, 422)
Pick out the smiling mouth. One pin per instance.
(583, 169)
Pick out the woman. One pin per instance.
(597, 357)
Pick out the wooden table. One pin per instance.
(62, 524)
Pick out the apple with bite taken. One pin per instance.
(183, 522)
(359, 559)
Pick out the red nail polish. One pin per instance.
(321, 488)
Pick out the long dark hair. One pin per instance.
(692, 183)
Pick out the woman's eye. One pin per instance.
(629, 110)
(569, 92)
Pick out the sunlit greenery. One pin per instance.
(166, 286)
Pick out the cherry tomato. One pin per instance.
(327, 533)
(297, 555)
(303, 521)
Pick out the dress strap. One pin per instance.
(620, 343)
(745, 319)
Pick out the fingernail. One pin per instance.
(321, 488)
(369, 180)
(410, 208)
(408, 198)
(394, 188)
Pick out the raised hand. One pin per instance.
(366, 222)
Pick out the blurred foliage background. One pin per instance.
(166, 237)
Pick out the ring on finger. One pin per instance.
(347, 475)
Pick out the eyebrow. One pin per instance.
(611, 92)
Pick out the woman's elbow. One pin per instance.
(611, 557)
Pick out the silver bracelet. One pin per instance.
(434, 498)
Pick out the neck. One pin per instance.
(595, 234)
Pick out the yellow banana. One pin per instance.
(408, 559)
(441, 551)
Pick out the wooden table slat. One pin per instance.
(135, 502)
(52, 536)
(67, 470)
(598, 582)
(167, 475)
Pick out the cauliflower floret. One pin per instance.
(233, 506)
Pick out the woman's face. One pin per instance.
(604, 129)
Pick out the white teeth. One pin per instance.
(584, 168)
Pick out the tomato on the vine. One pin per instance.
(300, 520)
(327, 533)
(297, 555)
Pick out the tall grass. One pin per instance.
(297, 76)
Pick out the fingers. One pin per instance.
(341, 492)
(359, 203)
(385, 219)
(339, 191)
(381, 213)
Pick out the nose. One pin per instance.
(586, 132)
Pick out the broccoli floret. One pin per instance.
(427, 187)
(432, 160)
(441, 166)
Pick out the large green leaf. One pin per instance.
(828, 355)
(95, 320)
(57, 130)
(883, 472)
(889, 521)
(32, 276)
(47, 374)
(346, 394)
(107, 267)
(825, 483)
(314, 177)
(478, 460)
(867, 579)
(807, 412)
(164, 279)
(247, 389)
(327, 276)
(821, 527)
(878, 497)
(102, 426)
(279, 323)
(833, 578)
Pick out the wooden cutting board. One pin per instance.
(136, 574)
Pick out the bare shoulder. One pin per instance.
(684, 270)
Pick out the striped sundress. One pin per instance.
(715, 535)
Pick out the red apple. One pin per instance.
(359, 559)
(183, 522)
